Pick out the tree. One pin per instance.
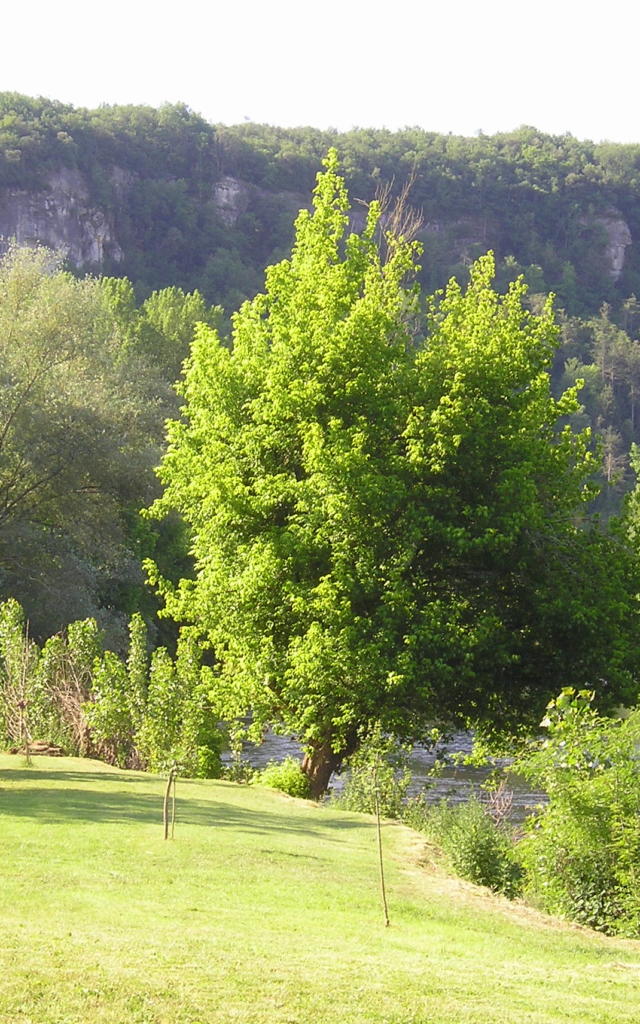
(80, 429)
(167, 322)
(161, 331)
(582, 849)
(383, 531)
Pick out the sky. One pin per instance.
(462, 67)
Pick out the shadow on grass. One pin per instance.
(62, 801)
(109, 777)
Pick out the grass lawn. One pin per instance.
(263, 910)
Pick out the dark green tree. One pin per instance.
(385, 531)
(80, 431)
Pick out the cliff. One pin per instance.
(62, 217)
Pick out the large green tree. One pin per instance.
(80, 431)
(385, 526)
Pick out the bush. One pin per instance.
(379, 770)
(137, 714)
(19, 658)
(108, 711)
(238, 769)
(476, 847)
(287, 776)
(582, 851)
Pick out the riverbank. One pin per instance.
(263, 910)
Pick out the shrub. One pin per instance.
(379, 770)
(108, 713)
(65, 672)
(178, 724)
(42, 691)
(19, 659)
(287, 776)
(238, 769)
(476, 847)
(582, 851)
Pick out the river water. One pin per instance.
(453, 782)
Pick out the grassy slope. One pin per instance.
(263, 909)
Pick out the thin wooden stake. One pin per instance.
(173, 805)
(383, 889)
(165, 807)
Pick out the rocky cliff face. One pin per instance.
(60, 216)
(232, 197)
(618, 238)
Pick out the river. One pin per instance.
(455, 783)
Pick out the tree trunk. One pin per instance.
(320, 763)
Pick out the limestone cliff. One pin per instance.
(464, 237)
(62, 217)
(232, 197)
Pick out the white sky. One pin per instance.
(461, 67)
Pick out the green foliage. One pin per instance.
(19, 658)
(42, 691)
(287, 776)
(80, 428)
(175, 726)
(137, 669)
(64, 680)
(108, 712)
(167, 322)
(606, 359)
(239, 769)
(155, 713)
(582, 850)
(477, 848)
(294, 400)
(379, 777)
(162, 329)
(86, 380)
